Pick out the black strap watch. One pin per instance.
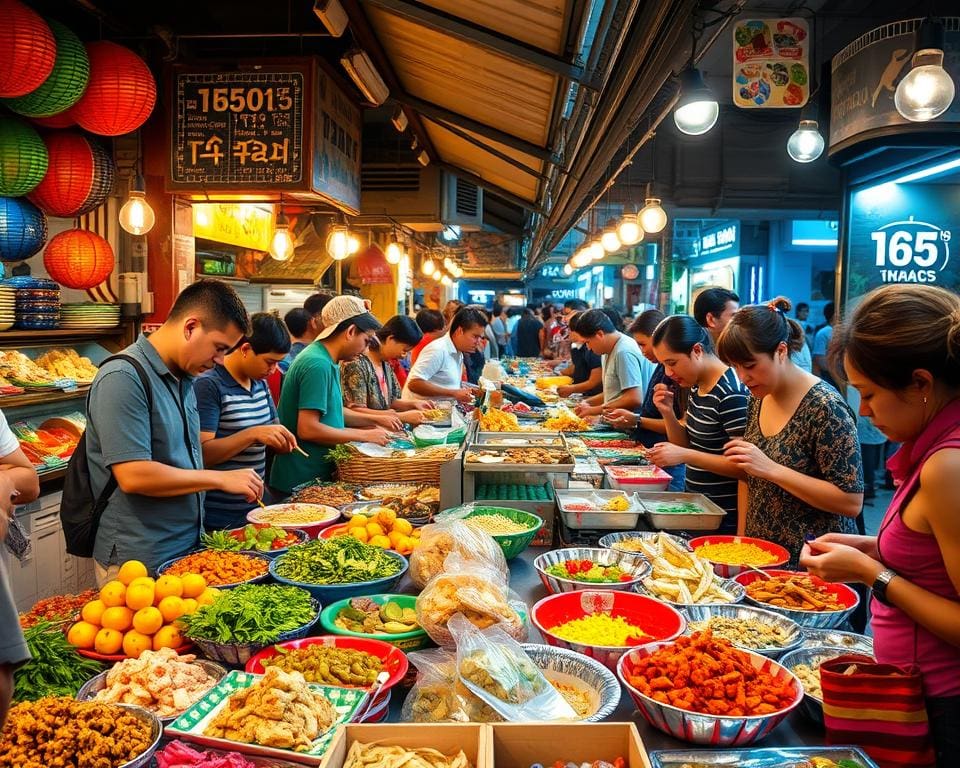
(881, 583)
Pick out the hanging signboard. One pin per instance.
(902, 233)
(771, 67)
(265, 129)
(864, 78)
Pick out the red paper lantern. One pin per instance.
(78, 258)
(121, 93)
(63, 120)
(79, 176)
(373, 267)
(28, 49)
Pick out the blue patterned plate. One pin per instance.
(192, 723)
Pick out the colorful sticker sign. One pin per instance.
(771, 65)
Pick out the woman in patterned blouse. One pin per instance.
(369, 383)
(799, 450)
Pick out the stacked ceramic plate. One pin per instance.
(89, 315)
(38, 302)
(8, 307)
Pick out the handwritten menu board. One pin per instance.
(238, 129)
(771, 67)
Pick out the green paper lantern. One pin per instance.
(66, 83)
(23, 158)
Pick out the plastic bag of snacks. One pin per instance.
(474, 590)
(438, 696)
(439, 540)
(493, 666)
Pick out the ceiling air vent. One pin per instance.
(462, 203)
(389, 178)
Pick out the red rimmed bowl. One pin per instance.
(701, 728)
(311, 518)
(657, 619)
(847, 596)
(394, 660)
(728, 570)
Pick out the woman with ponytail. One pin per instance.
(799, 450)
(716, 412)
(901, 350)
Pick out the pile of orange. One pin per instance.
(381, 527)
(135, 613)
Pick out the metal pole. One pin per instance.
(338, 283)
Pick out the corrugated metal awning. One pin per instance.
(485, 79)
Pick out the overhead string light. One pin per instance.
(652, 217)
(806, 143)
(282, 244)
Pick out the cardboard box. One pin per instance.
(519, 745)
(449, 738)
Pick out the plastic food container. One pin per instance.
(646, 477)
(405, 641)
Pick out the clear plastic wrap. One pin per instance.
(452, 536)
(495, 669)
(476, 591)
(438, 696)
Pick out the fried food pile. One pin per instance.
(67, 364)
(58, 731)
(799, 593)
(495, 420)
(161, 681)
(482, 601)
(279, 710)
(16, 365)
(680, 576)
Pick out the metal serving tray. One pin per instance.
(708, 520)
(506, 466)
(773, 757)
(599, 519)
(521, 439)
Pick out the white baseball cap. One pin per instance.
(342, 308)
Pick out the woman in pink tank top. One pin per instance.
(901, 350)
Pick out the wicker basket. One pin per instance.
(424, 467)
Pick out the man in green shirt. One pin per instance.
(311, 403)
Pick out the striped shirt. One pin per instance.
(225, 409)
(713, 418)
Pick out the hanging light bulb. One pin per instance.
(596, 251)
(653, 218)
(438, 275)
(630, 232)
(805, 144)
(136, 215)
(338, 242)
(445, 280)
(353, 244)
(394, 252)
(581, 258)
(927, 91)
(697, 110)
(609, 239)
(281, 244)
(428, 267)
(568, 269)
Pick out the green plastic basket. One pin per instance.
(512, 544)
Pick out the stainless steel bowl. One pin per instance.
(834, 638)
(156, 733)
(747, 612)
(635, 565)
(559, 663)
(716, 730)
(610, 540)
(811, 619)
(89, 690)
(733, 587)
(812, 705)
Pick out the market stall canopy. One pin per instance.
(484, 80)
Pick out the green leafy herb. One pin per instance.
(251, 613)
(340, 452)
(340, 560)
(56, 668)
(220, 540)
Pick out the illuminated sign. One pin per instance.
(901, 233)
(243, 224)
(720, 240)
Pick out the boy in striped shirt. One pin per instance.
(238, 420)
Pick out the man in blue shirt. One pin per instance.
(156, 513)
(238, 420)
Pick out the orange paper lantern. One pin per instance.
(121, 92)
(28, 49)
(79, 259)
